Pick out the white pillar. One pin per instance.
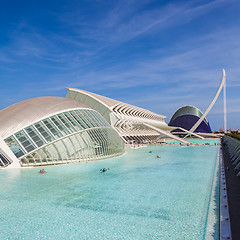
(225, 107)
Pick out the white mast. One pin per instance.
(225, 108)
(211, 104)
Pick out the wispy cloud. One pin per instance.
(124, 49)
(129, 20)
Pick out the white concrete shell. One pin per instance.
(127, 119)
(22, 114)
(54, 130)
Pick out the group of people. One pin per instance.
(101, 170)
(157, 155)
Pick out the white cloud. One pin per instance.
(187, 72)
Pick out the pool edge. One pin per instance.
(224, 219)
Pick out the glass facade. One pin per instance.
(15, 146)
(4, 161)
(71, 136)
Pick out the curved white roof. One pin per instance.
(112, 103)
(187, 109)
(105, 100)
(22, 114)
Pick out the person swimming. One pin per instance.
(42, 171)
(104, 169)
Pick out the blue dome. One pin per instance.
(186, 117)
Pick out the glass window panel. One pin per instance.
(60, 125)
(92, 118)
(25, 141)
(104, 140)
(65, 121)
(24, 161)
(36, 158)
(14, 146)
(37, 139)
(96, 119)
(79, 120)
(105, 122)
(5, 161)
(46, 156)
(62, 150)
(52, 152)
(95, 141)
(1, 162)
(87, 117)
(69, 145)
(42, 155)
(30, 159)
(72, 120)
(79, 146)
(84, 119)
(52, 128)
(100, 141)
(100, 118)
(44, 131)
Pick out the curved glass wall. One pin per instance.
(4, 161)
(70, 136)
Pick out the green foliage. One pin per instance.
(233, 135)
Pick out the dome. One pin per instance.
(186, 117)
(22, 114)
(54, 130)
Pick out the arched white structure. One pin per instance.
(131, 122)
(54, 130)
(211, 104)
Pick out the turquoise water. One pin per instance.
(140, 197)
(210, 141)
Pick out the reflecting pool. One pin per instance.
(139, 197)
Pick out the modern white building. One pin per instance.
(132, 123)
(54, 130)
(82, 126)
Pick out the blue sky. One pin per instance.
(159, 55)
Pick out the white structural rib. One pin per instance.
(190, 133)
(211, 104)
(225, 108)
(168, 134)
